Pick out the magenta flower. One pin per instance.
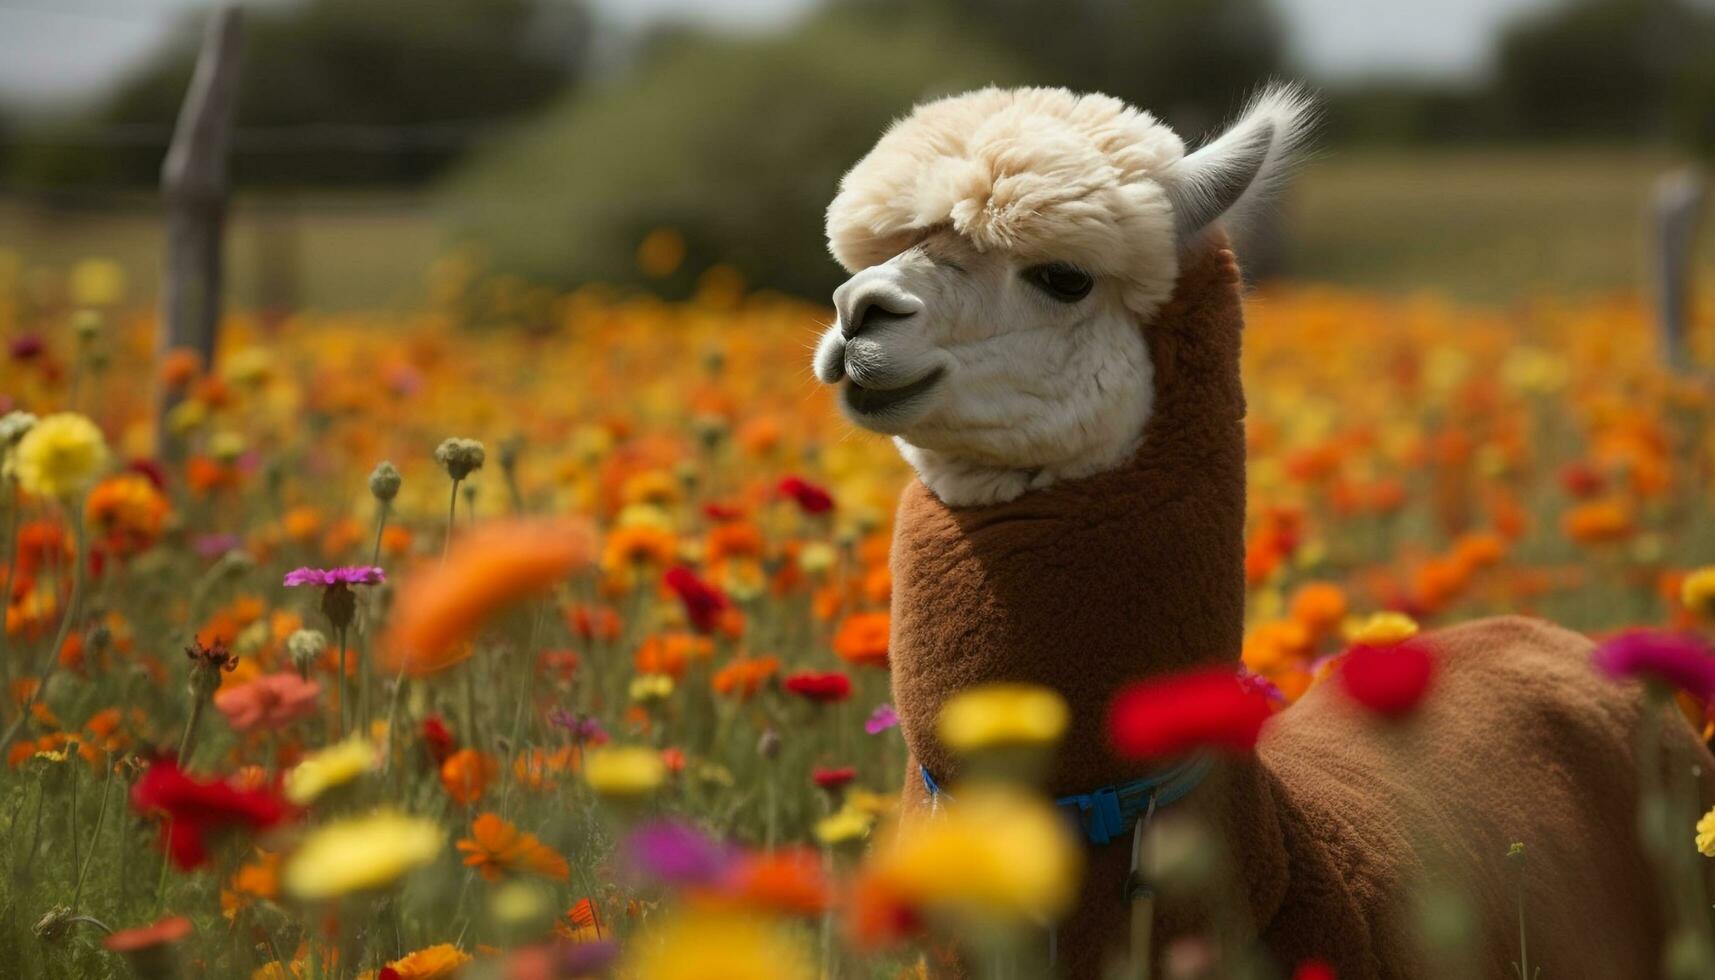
(881, 719)
(327, 577)
(675, 854)
(1257, 682)
(1681, 661)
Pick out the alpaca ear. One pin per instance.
(1228, 176)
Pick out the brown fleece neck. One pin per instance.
(1086, 586)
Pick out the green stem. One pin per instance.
(452, 512)
(339, 631)
(380, 526)
(189, 736)
(94, 838)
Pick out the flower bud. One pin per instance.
(768, 746)
(460, 457)
(384, 481)
(306, 647)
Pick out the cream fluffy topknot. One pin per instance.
(1043, 173)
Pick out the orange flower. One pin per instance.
(395, 541)
(127, 509)
(641, 544)
(496, 848)
(1479, 549)
(439, 962)
(466, 775)
(744, 676)
(489, 569)
(789, 881)
(671, 653)
(1319, 607)
(536, 769)
(179, 367)
(1598, 521)
(734, 539)
(582, 923)
(257, 881)
(862, 639)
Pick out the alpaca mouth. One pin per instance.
(874, 402)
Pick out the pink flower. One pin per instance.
(271, 701)
(1682, 661)
(326, 577)
(881, 719)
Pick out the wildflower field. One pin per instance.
(531, 634)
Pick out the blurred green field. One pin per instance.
(1483, 225)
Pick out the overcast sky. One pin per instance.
(60, 49)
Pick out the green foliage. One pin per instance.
(1190, 61)
(340, 63)
(737, 143)
(1631, 69)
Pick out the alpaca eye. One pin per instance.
(1066, 283)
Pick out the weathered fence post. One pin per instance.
(1674, 211)
(194, 187)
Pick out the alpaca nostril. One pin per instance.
(872, 310)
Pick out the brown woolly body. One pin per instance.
(1337, 822)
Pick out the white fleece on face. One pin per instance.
(1031, 390)
(943, 219)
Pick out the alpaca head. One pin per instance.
(1009, 249)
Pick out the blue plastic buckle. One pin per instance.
(1103, 818)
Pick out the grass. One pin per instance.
(1482, 224)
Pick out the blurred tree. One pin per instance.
(1191, 62)
(1633, 69)
(352, 73)
(737, 143)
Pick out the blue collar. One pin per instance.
(1111, 811)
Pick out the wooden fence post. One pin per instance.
(1674, 211)
(194, 188)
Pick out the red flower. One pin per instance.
(721, 513)
(703, 602)
(439, 739)
(833, 779)
(1388, 680)
(810, 498)
(820, 688)
(1206, 708)
(194, 809)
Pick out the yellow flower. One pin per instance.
(729, 944)
(1697, 592)
(438, 962)
(97, 282)
(333, 766)
(1003, 714)
(845, 826)
(817, 557)
(61, 456)
(995, 856)
(651, 687)
(1382, 629)
(624, 771)
(1706, 834)
(361, 853)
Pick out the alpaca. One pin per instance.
(1045, 316)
